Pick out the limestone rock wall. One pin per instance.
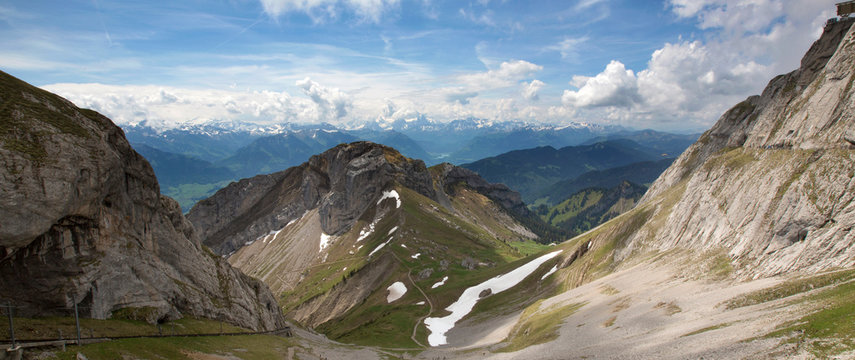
(82, 221)
(772, 181)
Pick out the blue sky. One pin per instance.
(671, 65)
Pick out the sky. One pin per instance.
(673, 65)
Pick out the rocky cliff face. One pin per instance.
(341, 183)
(83, 221)
(772, 182)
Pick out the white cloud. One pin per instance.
(331, 102)
(616, 86)
(692, 82)
(167, 107)
(568, 47)
(508, 73)
(530, 91)
(461, 98)
(584, 4)
(319, 10)
(485, 18)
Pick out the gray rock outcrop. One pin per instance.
(82, 222)
(772, 182)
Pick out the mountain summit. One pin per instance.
(332, 235)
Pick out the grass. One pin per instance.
(188, 194)
(538, 326)
(708, 328)
(378, 325)
(830, 330)
(50, 327)
(608, 290)
(670, 308)
(719, 266)
(249, 347)
(731, 159)
(790, 288)
(438, 235)
(571, 207)
(30, 115)
(621, 304)
(610, 322)
(528, 247)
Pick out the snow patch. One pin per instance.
(420, 303)
(441, 283)
(325, 241)
(391, 194)
(416, 256)
(403, 246)
(396, 291)
(554, 269)
(274, 233)
(439, 326)
(379, 247)
(364, 233)
(393, 230)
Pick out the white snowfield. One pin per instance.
(396, 291)
(325, 241)
(441, 283)
(438, 327)
(554, 269)
(393, 230)
(416, 256)
(379, 247)
(391, 194)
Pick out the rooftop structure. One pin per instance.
(844, 9)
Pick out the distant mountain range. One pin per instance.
(194, 161)
(532, 171)
(641, 173)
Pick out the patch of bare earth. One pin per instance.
(647, 312)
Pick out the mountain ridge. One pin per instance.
(84, 224)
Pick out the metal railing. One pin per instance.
(30, 334)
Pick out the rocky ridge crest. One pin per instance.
(341, 183)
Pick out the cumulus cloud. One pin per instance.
(330, 101)
(749, 42)
(319, 10)
(732, 15)
(531, 90)
(616, 86)
(167, 107)
(508, 73)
